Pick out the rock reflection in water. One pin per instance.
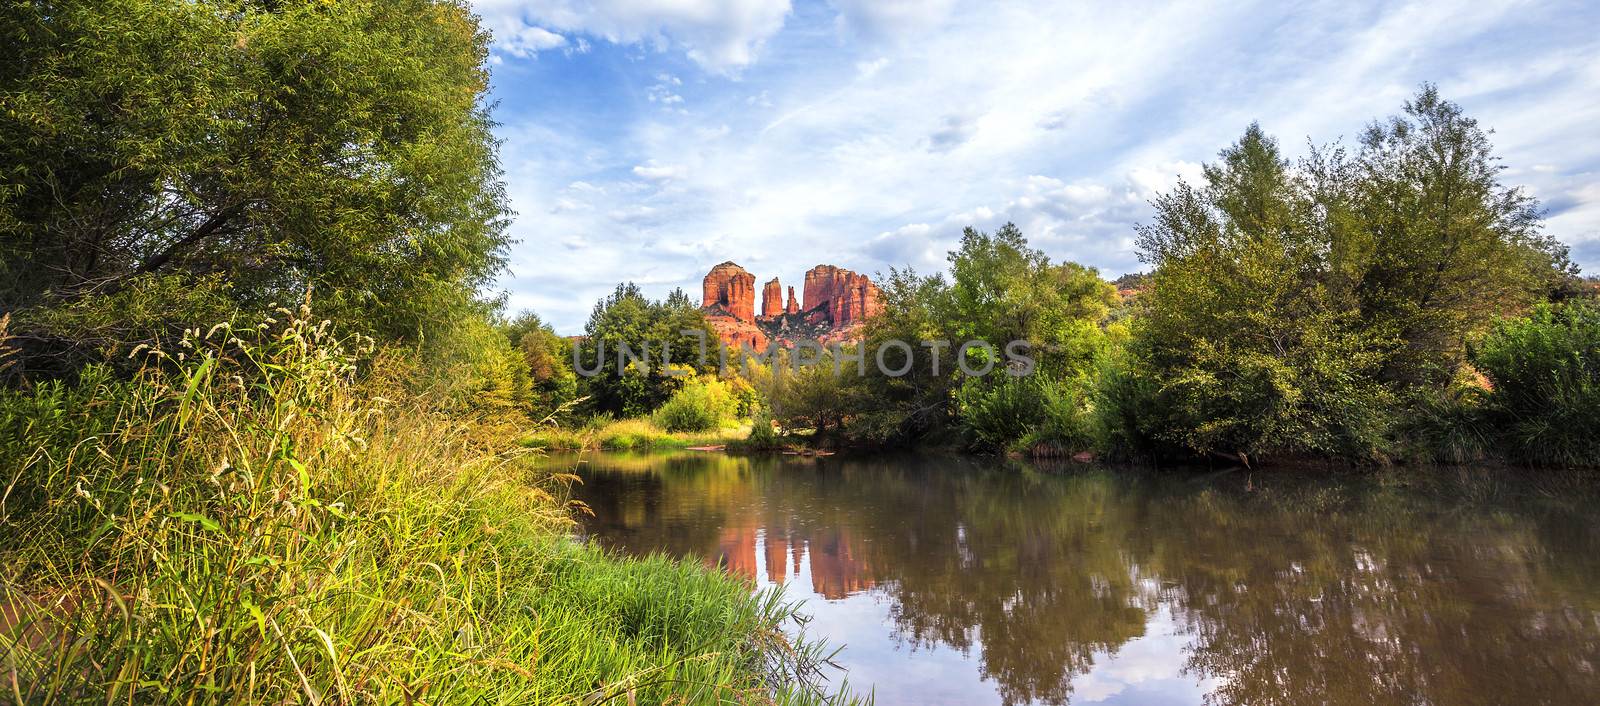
(953, 580)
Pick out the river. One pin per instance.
(973, 581)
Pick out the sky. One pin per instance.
(648, 140)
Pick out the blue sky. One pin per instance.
(648, 140)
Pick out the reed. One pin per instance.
(246, 521)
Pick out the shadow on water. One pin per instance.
(958, 580)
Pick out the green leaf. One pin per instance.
(202, 520)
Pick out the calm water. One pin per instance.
(954, 581)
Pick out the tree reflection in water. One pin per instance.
(1459, 587)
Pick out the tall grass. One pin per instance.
(627, 435)
(245, 522)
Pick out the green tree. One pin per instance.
(896, 409)
(549, 360)
(1437, 245)
(1253, 350)
(626, 326)
(1292, 307)
(810, 393)
(1002, 290)
(277, 145)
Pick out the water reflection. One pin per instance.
(960, 581)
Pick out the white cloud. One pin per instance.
(1064, 118)
(662, 91)
(891, 18)
(656, 172)
(720, 35)
(868, 69)
(528, 40)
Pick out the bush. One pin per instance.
(763, 437)
(1126, 411)
(1544, 371)
(1035, 413)
(1449, 425)
(703, 404)
(100, 328)
(1065, 422)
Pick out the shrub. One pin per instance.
(1065, 423)
(100, 328)
(1449, 425)
(1015, 413)
(703, 404)
(763, 437)
(1126, 411)
(1544, 371)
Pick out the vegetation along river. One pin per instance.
(962, 581)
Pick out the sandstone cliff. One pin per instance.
(729, 287)
(728, 296)
(849, 297)
(772, 299)
(835, 303)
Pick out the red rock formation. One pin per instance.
(737, 549)
(737, 334)
(777, 557)
(836, 570)
(836, 301)
(847, 296)
(728, 286)
(772, 299)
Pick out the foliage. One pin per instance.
(1291, 309)
(764, 435)
(553, 383)
(803, 392)
(919, 405)
(342, 146)
(1127, 410)
(1544, 371)
(100, 328)
(1448, 425)
(1436, 246)
(1000, 291)
(337, 541)
(702, 404)
(629, 343)
(1034, 413)
(467, 366)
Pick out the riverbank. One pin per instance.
(251, 521)
(639, 434)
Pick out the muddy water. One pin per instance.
(959, 581)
